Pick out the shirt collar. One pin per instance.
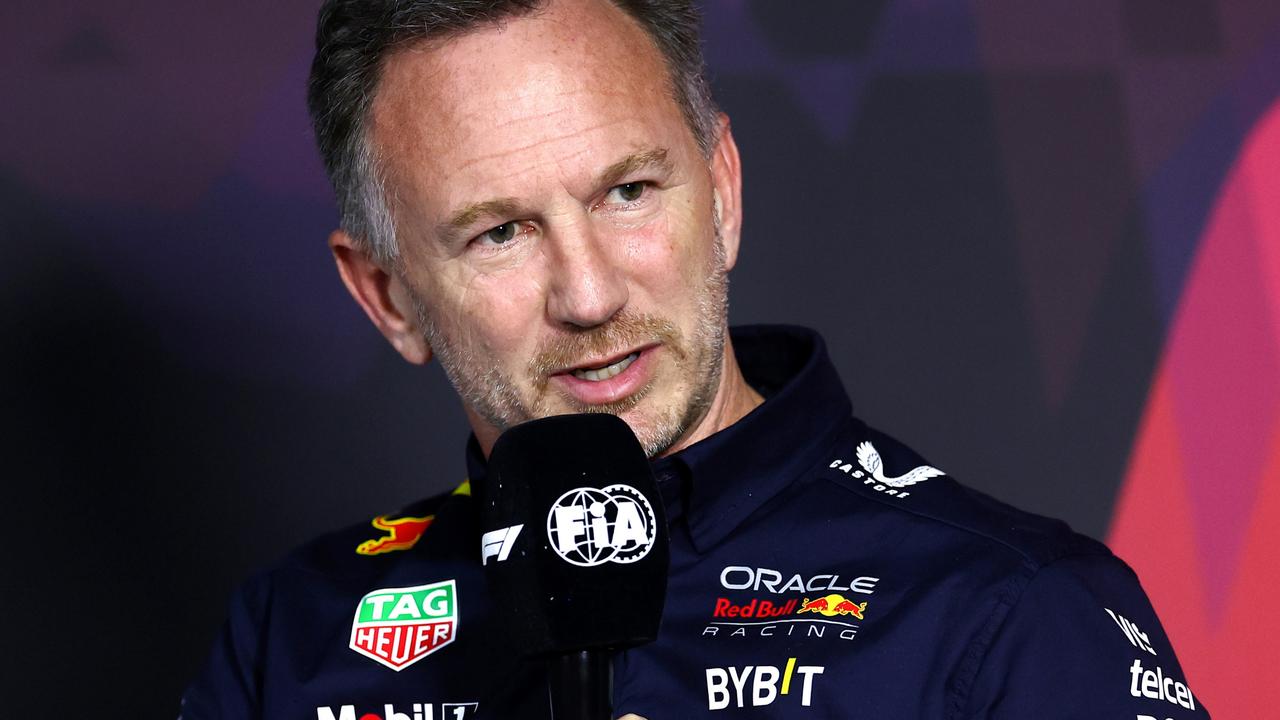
(731, 474)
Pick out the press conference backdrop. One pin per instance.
(1041, 238)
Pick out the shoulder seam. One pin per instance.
(1026, 555)
(1010, 595)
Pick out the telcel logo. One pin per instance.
(1154, 684)
(758, 685)
(418, 711)
(592, 526)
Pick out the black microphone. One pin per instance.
(575, 542)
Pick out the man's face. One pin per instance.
(557, 222)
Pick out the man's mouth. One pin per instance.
(604, 372)
(602, 380)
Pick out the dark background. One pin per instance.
(988, 208)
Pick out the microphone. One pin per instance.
(575, 542)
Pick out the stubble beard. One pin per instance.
(492, 393)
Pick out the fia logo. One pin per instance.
(592, 526)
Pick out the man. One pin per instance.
(542, 195)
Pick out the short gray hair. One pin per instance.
(354, 37)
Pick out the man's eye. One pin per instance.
(501, 234)
(628, 192)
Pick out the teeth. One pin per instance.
(607, 371)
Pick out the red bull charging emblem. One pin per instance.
(402, 534)
(832, 605)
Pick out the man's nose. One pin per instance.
(588, 283)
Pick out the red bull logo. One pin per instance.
(402, 534)
(832, 605)
(757, 608)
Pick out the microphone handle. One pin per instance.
(581, 685)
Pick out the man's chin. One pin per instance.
(656, 415)
(657, 429)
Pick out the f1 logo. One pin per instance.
(498, 543)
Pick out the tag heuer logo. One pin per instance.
(400, 626)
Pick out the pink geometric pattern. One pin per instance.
(1225, 368)
(1199, 516)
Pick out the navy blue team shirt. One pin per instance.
(819, 569)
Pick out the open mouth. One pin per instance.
(604, 372)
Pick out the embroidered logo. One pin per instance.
(400, 626)
(402, 534)
(832, 605)
(869, 459)
(872, 472)
(822, 605)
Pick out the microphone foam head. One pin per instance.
(575, 540)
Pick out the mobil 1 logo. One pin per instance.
(408, 711)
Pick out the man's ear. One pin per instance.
(383, 296)
(726, 179)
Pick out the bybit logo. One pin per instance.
(758, 685)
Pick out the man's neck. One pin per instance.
(734, 398)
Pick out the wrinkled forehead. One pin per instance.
(562, 81)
